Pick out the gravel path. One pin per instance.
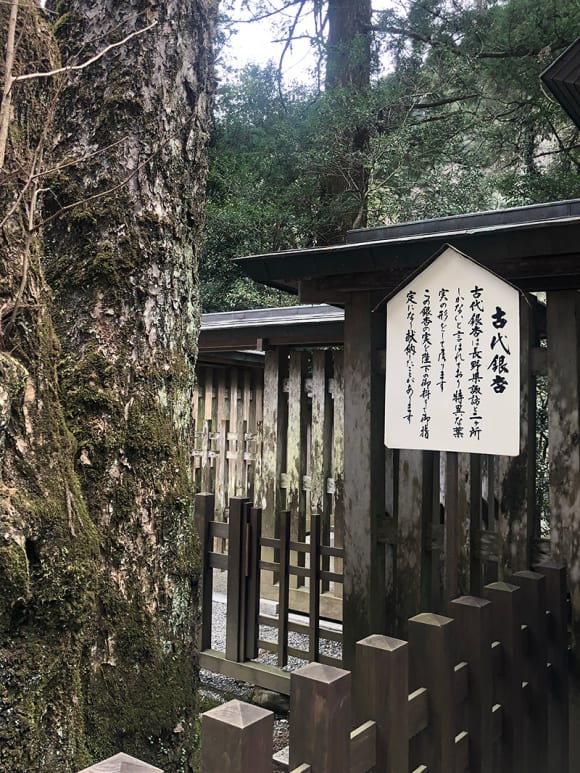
(220, 688)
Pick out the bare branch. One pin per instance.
(87, 63)
(8, 80)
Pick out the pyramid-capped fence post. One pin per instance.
(431, 642)
(320, 724)
(381, 690)
(237, 738)
(507, 630)
(473, 621)
(533, 598)
(121, 763)
(558, 741)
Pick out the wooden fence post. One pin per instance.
(284, 587)
(121, 763)
(473, 641)
(533, 602)
(380, 691)
(320, 714)
(314, 610)
(237, 738)
(252, 580)
(558, 718)
(204, 512)
(506, 616)
(235, 633)
(431, 666)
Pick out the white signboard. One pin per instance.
(453, 360)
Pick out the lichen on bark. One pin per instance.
(98, 555)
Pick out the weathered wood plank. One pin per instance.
(237, 738)
(321, 718)
(564, 430)
(364, 580)
(431, 647)
(204, 507)
(381, 690)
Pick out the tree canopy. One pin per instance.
(449, 116)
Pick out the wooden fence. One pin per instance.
(309, 561)
(274, 435)
(483, 690)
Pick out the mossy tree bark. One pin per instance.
(97, 551)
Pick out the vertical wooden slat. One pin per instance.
(315, 538)
(237, 738)
(432, 666)
(337, 470)
(451, 525)
(409, 537)
(246, 463)
(564, 430)
(253, 584)
(558, 714)
(207, 419)
(517, 474)
(321, 718)
(507, 622)
(431, 531)
(364, 460)
(533, 603)
(221, 466)
(321, 444)
(234, 617)
(380, 693)
(473, 620)
(296, 453)
(464, 509)
(274, 436)
(475, 525)
(284, 587)
(204, 512)
(233, 439)
(259, 419)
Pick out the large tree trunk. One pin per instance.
(98, 550)
(348, 69)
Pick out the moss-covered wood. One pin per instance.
(98, 312)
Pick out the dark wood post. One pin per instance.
(252, 609)
(533, 602)
(237, 738)
(364, 470)
(473, 620)
(235, 635)
(314, 611)
(320, 718)
(431, 641)
(507, 629)
(380, 691)
(204, 512)
(558, 715)
(284, 587)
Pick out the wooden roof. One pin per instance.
(257, 329)
(562, 78)
(535, 247)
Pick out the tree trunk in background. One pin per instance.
(97, 550)
(348, 67)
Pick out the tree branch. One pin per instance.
(83, 65)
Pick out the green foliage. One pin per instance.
(459, 124)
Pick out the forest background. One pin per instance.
(439, 111)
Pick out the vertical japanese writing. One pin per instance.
(458, 412)
(410, 352)
(442, 316)
(426, 322)
(475, 331)
(499, 364)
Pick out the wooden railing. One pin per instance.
(484, 690)
(308, 560)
